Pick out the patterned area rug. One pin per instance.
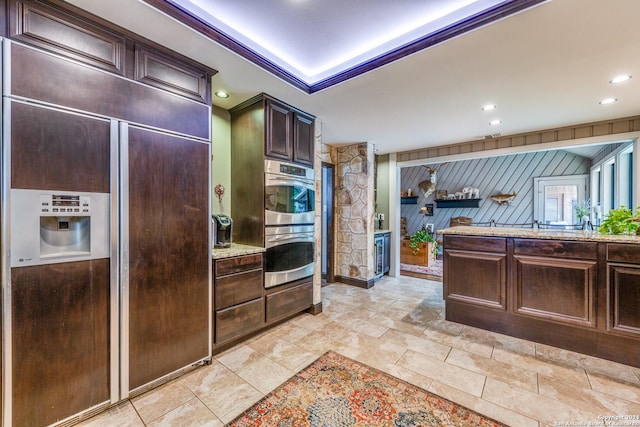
(335, 391)
(433, 272)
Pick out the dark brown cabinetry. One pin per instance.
(289, 133)
(623, 289)
(83, 335)
(238, 297)
(168, 272)
(578, 295)
(284, 301)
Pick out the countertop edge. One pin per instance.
(528, 233)
(235, 250)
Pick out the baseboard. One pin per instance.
(366, 284)
(315, 309)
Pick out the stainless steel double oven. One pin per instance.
(289, 222)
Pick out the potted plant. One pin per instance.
(583, 211)
(422, 236)
(621, 220)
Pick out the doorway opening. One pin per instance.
(328, 174)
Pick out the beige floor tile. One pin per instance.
(230, 397)
(161, 400)
(586, 399)
(513, 375)
(284, 353)
(239, 357)
(496, 340)
(458, 341)
(371, 329)
(533, 405)
(593, 365)
(499, 413)
(451, 375)
(575, 376)
(265, 375)
(191, 414)
(400, 372)
(122, 415)
(407, 341)
(615, 388)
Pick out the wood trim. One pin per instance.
(617, 300)
(574, 132)
(315, 309)
(330, 276)
(366, 284)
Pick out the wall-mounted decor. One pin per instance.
(503, 199)
(429, 210)
(440, 194)
(428, 186)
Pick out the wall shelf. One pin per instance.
(458, 203)
(411, 200)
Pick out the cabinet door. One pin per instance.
(278, 131)
(60, 339)
(624, 299)
(168, 259)
(56, 150)
(303, 139)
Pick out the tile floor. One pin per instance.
(397, 326)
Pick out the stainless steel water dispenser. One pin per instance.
(58, 226)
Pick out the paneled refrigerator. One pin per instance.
(106, 252)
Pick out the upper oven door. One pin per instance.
(288, 200)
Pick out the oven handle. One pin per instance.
(306, 184)
(302, 237)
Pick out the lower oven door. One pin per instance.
(290, 254)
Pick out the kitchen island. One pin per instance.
(577, 290)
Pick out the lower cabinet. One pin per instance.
(283, 301)
(241, 304)
(623, 289)
(237, 297)
(582, 296)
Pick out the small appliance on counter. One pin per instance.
(222, 227)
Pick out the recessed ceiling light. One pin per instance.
(607, 101)
(489, 107)
(619, 79)
(222, 94)
(495, 122)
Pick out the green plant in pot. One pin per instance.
(422, 236)
(621, 220)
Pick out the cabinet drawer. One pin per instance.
(288, 301)
(618, 252)
(556, 248)
(239, 320)
(471, 243)
(237, 264)
(237, 288)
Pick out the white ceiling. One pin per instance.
(545, 67)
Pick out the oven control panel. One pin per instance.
(64, 205)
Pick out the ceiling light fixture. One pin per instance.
(495, 122)
(607, 101)
(619, 79)
(489, 107)
(222, 94)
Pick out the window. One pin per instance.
(612, 182)
(557, 197)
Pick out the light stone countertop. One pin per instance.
(236, 250)
(529, 233)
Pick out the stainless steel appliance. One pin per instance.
(290, 254)
(58, 226)
(222, 226)
(289, 194)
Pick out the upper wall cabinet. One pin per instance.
(72, 33)
(289, 133)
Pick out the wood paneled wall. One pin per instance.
(503, 174)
